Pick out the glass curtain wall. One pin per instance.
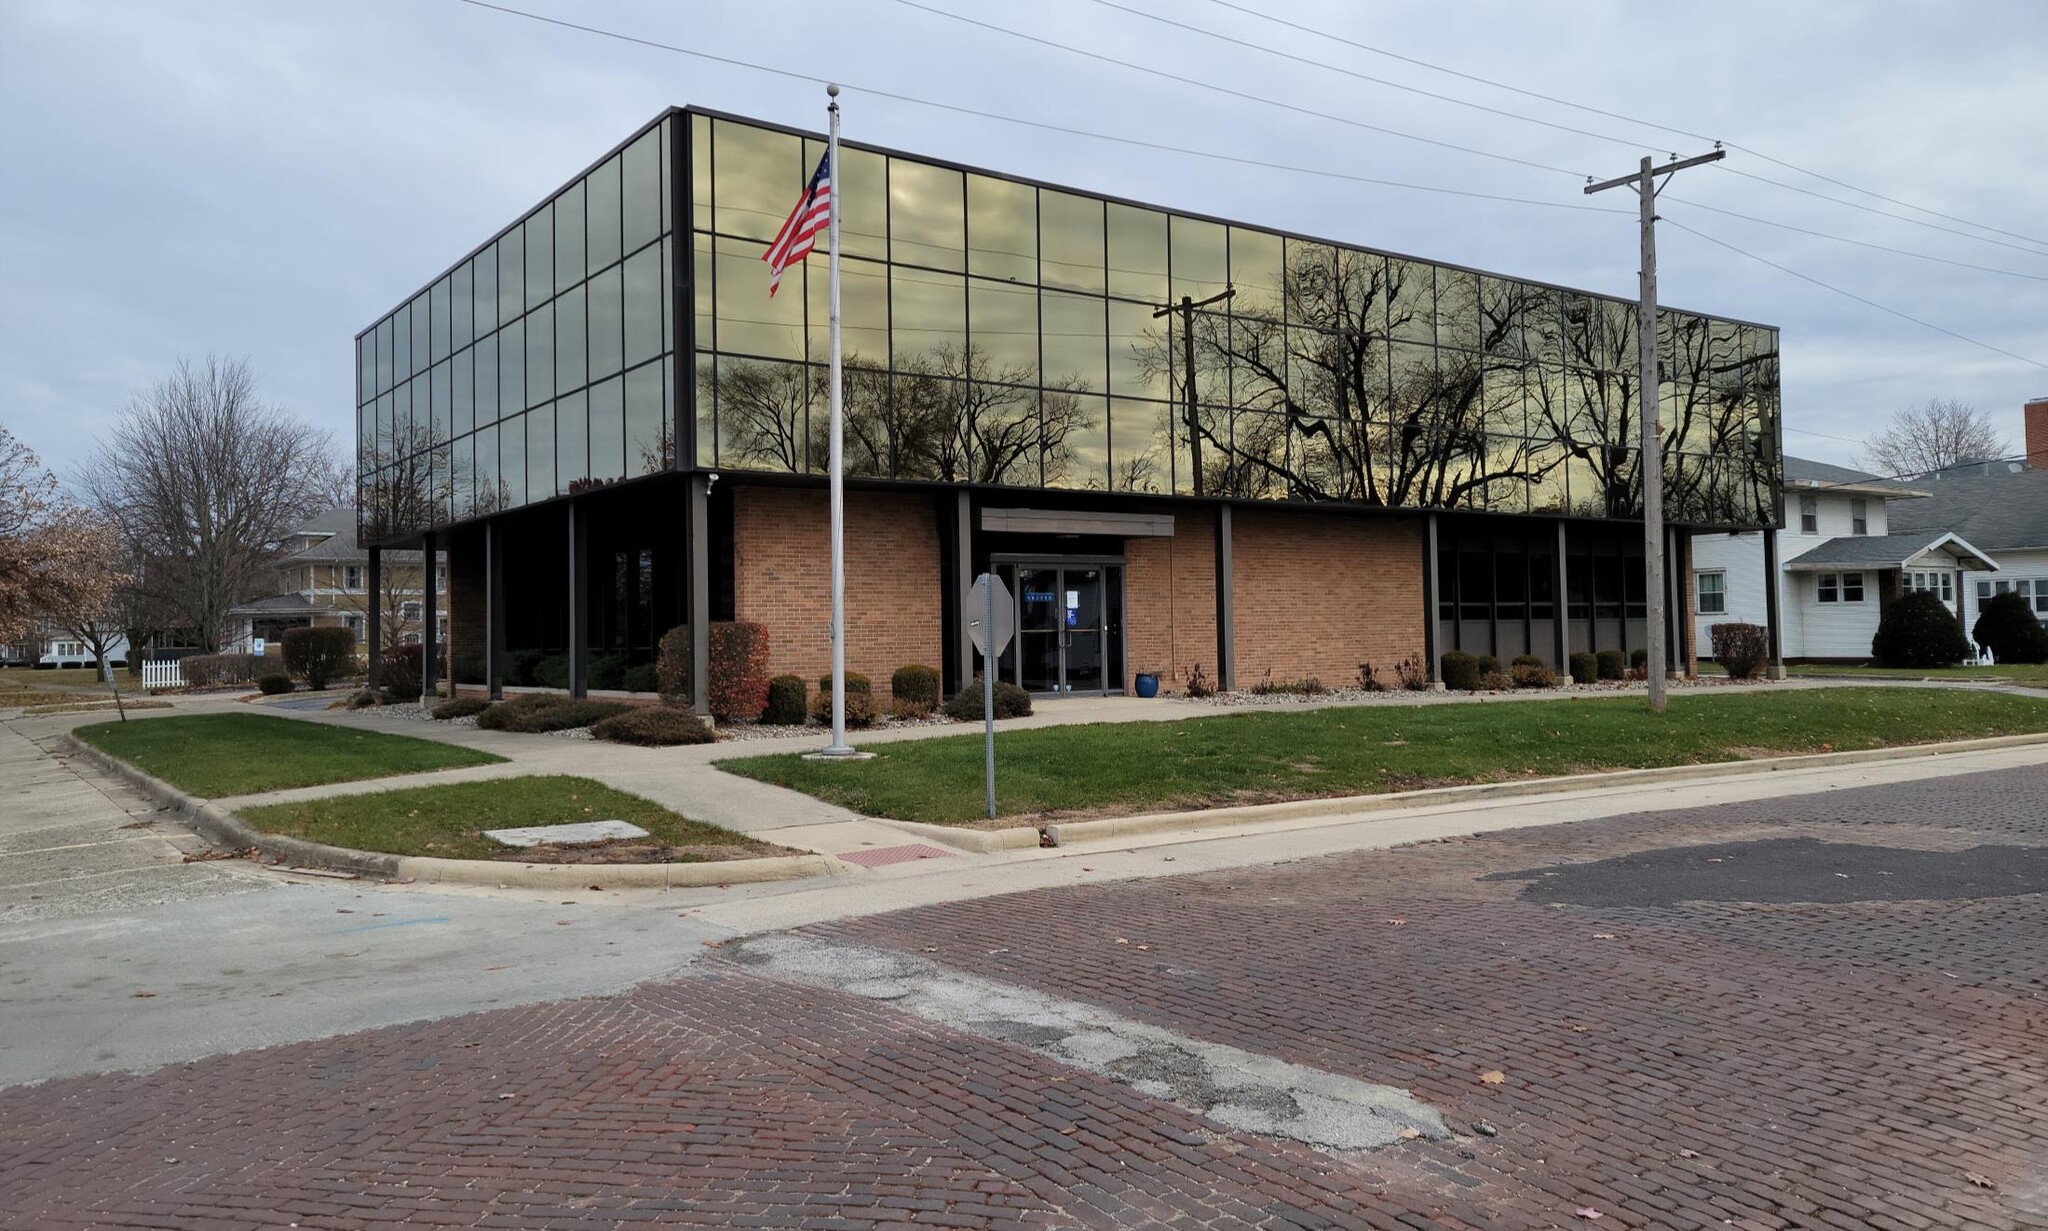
(1002, 333)
(540, 366)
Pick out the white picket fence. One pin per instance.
(163, 674)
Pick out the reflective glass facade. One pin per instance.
(1003, 333)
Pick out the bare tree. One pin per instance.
(1940, 432)
(85, 600)
(204, 480)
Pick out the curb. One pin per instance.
(223, 828)
(978, 841)
(1337, 806)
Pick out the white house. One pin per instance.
(2002, 507)
(1846, 550)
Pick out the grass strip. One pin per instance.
(448, 822)
(217, 755)
(1245, 758)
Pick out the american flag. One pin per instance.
(812, 213)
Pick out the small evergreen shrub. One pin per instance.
(399, 670)
(1459, 671)
(2007, 627)
(915, 685)
(967, 704)
(738, 686)
(520, 666)
(785, 707)
(1489, 665)
(1532, 675)
(1639, 660)
(552, 671)
(460, 707)
(469, 667)
(909, 711)
(1494, 681)
(1613, 664)
(607, 672)
(318, 655)
(540, 712)
(1526, 660)
(1742, 649)
(641, 678)
(860, 705)
(672, 665)
(855, 683)
(1918, 631)
(652, 727)
(275, 683)
(1585, 667)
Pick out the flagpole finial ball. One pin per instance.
(832, 89)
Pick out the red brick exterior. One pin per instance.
(2037, 434)
(1170, 602)
(782, 579)
(1317, 593)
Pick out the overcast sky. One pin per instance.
(265, 179)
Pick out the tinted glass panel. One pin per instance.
(540, 452)
(1004, 329)
(927, 215)
(569, 237)
(572, 443)
(607, 431)
(512, 369)
(439, 300)
(1137, 253)
(607, 325)
(540, 355)
(485, 272)
(511, 274)
(863, 311)
(647, 445)
(422, 344)
(540, 255)
(461, 317)
(462, 379)
(1071, 252)
(643, 305)
(928, 317)
(640, 204)
(1002, 229)
(571, 342)
(749, 321)
(602, 218)
(756, 175)
(1201, 265)
(487, 380)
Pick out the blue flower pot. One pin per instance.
(1148, 685)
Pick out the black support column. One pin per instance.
(373, 650)
(1563, 623)
(1432, 592)
(700, 593)
(1771, 604)
(963, 572)
(1226, 618)
(579, 600)
(494, 611)
(430, 610)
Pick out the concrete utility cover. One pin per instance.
(581, 833)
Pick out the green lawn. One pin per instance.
(448, 821)
(1261, 757)
(2031, 675)
(217, 755)
(61, 677)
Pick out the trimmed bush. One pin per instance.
(1459, 670)
(539, 712)
(786, 697)
(653, 728)
(860, 705)
(274, 684)
(552, 671)
(469, 667)
(916, 685)
(1918, 631)
(362, 700)
(909, 711)
(1494, 681)
(460, 707)
(1489, 665)
(1010, 702)
(641, 678)
(855, 683)
(1613, 664)
(1639, 660)
(738, 687)
(2006, 626)
(318, 655)
(1532, 675)
(1526, 660)
(672, 665)
(1741, 649)
(1585, 666)
(215, 670)
(399, 670)
(607, 672)
(520, 665)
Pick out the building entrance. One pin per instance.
(1069, 627)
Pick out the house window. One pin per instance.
(1859, 520)
(440, 581)
(1852, 587)
(1840, 588)
(352, 621)
(409, 639)
(352, 577)
(1809, 514)
(1939, 582)
(409, 610)
(1713, 593)
(2041, 599)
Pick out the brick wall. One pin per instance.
(2036, 416)
(1170, 601)
(1319, 593)
(782, 579)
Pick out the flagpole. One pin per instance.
(838, 747)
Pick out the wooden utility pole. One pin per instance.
(1651, 463)
(1186, 307)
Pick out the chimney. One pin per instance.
(2037, 434)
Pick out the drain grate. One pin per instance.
(883, 856)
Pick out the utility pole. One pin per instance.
(1651, 462)
(1186, 307)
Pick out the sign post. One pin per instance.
(991, 635)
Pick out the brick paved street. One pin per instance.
(1848, 1054)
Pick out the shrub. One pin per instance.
(362, 700)
(539, 712)
(1412, 673)
(1918, 631)
(552, 671)
(1489, 665)
(855, 683)
(1639, 660)
(1741, 649)
(1459, 670)
(641, 678)
(1369, 680)
(469, 667)
(916, 685)
(318, 655)
(1494, 681)
(909, 711)
(738, 686)
(672, 665)
(399, 670)
(1532, 675)
(606, 671)
(460, 707)
(1526, 660)
(1613, 664)
(1010, 702)
(1585, 667)
(860, 705)
(2006, 626)
(653, 728)
(520, 665)
(1199, 684)
(275, 683)
(214, 670)
(785, 706)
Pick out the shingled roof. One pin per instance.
(1997, 512)
(1899, 549)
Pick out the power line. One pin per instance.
(1042, 125)
(1827, 286)
(1843, 239)
(1614, 115)
(1242, 95)
(1882, 213)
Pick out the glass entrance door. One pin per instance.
(1039, 634)
(1069, 630)
(1081, 630)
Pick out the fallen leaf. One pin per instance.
(562, 923)
(1588, 1213)
(503, 1097)
(1688, 1154)
(1410, 1134)
(1398, 922)
(1979, 1180)
(1603, 936)
(1493, 1077)
(1122, 940)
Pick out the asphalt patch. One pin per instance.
(1789, 870)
